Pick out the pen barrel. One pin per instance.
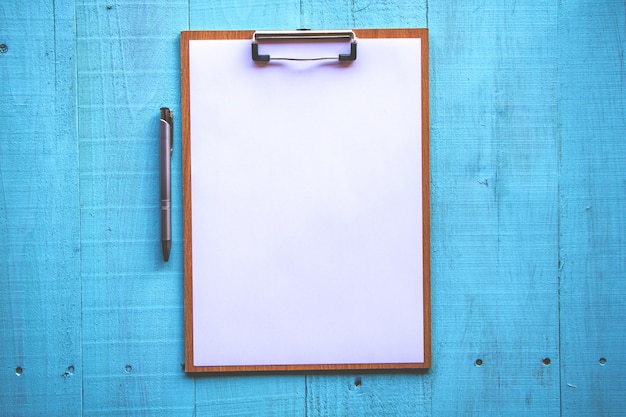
(165, 180)
(166, 220)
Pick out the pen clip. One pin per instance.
(167, 117)
(171, 123)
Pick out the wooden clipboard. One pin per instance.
(306, 201)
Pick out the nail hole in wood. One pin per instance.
(602, 361)
(69, 371)
(546, 361)
(19, 371)
(357, 381)
(478, 362)
(128, 369)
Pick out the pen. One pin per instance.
(166, 142)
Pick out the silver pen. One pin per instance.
(166, 142)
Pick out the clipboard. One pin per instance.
(306, 200)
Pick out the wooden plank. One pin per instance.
(347, 14)
(494, 161)
(132, 300)
(247, 395)
(592, 115)
(358, 392)
(271, 394)
(493, 78)
(39, 225)
(368, 394)
(253, 15)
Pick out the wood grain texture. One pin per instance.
(132, 301)
(364, 394)
(243, 395)
(40, 343)
(257, 15)
(342, 14)
(494, 160)
(527, 169)
(592, 128)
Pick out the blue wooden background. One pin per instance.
(528, 180)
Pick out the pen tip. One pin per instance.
(166, 245)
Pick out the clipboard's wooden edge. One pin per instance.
(311, 367)
(205, 35)
(426, 197)
(187, 36)
(186, 172)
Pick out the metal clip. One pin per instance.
(303, 35)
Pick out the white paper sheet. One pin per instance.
(306, 205)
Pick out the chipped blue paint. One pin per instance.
(528, 184)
